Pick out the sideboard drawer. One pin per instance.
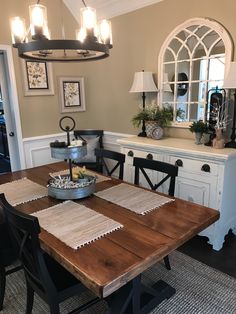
(194, 166)
(131, 153)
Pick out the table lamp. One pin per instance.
(230, 83)
(143, 83)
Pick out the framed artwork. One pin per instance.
(37, 78)
(72, 94)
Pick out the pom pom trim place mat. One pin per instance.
(74, 224)
(22, 191)
(133, 198)
(100, 178)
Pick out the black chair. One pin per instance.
(103, 154)
(94, 139)
(171, 172)
(43, 274)
(8, 256)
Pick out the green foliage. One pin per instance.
(199, 127)
(154, 113)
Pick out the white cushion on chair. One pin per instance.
(92, 143)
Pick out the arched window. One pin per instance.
(193, 59)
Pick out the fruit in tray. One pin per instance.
(78, 173)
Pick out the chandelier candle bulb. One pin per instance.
(105, 32)
(38, 20)
(18, 30)
(81, 34)
(88, 20)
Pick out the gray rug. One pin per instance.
(199, 289)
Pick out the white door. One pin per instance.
(13, 135)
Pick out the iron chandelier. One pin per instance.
(93, 40)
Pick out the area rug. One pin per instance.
(199, 290)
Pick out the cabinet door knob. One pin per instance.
(149, 156)
(206, 168)
(179, 163)
(130, 153)
(11, 134)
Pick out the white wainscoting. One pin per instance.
(37, 149)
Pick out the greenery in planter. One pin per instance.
(199, 127)
(162, 115)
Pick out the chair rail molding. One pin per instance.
(37, 149)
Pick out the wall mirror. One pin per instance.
(193, 59)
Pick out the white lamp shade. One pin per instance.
(230, 79)
(143, 82)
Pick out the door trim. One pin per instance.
(13, 98)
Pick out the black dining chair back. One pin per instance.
(119, 158)
(43, 274)
(94, 139)
(9, 262)
(170, 173)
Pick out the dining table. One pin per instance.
(112, 266)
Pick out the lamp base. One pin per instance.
(142, 134)
(230, 145)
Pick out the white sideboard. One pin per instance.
(206, 176)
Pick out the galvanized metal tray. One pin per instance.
(72, 193)
(73, 152)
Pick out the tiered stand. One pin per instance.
(64, 186)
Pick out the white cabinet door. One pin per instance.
(193, 191)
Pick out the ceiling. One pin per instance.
(108, 8)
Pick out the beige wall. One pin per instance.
(137, 38)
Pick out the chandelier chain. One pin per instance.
(62, 22)
(84, 3)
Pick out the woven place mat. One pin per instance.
(74, 224)
(133, 198)
(99, 177)
(22, 191)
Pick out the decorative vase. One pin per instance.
(150, 126)
(198, 137)
(218, 141)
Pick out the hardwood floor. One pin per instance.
(223, 260)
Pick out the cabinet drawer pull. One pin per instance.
(149, 156)
(206, 168)
(130, 153)
(179, 163)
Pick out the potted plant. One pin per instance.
(199, 128)
(154, 116)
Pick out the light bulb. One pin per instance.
(37, 16)
(81, 34)
(88, 19)
(105, 31)
(18, 30)
(38, 20)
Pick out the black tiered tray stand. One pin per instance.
(63, 151)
